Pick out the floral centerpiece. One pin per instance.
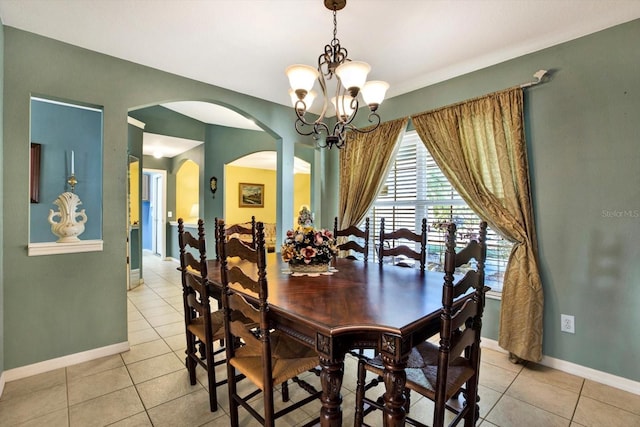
(307, 249)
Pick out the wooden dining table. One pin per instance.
(361, 305)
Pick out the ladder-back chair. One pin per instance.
(446, 373)
(268, 357)
(202, 327)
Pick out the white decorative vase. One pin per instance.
(69, 228)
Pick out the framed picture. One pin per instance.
(251, 195)
(34, 178)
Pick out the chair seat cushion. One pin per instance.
(289, 358)
(422, 370)
(196, 327)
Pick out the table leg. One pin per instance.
(394, 378)
(331, 379)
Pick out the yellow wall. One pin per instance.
(302, 194)
(187, 190)
(134, 192)
(235, 175)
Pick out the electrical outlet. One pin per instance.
(567, 323)
(170, 214)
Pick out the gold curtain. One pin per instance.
(364, 162)
(480, 147)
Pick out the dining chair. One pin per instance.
(246, 234)
(353, 245)
(446, 373)
(202, 326)
(268, 357)
(217, 238)
(396, 243)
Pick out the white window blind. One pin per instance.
(415, 188)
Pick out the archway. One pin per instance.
(211, 136)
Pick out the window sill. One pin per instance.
(53, 248)
(494, 295)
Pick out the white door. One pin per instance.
(158, 215)
(157, 211)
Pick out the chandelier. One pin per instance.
(350, 77)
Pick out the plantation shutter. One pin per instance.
(415, 188)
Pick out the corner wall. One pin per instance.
(2, 311)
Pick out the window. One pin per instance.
(415, 188)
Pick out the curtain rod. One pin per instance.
(538, 75)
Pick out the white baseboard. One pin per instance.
(134, 277)
(579, 370)
(64, 361)
(1, 383)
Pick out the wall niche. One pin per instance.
(68, 139)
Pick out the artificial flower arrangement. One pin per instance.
(307, 246)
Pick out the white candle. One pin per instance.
(72, 163)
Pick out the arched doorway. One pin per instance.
(179, 132)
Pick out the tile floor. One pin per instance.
(149, 386)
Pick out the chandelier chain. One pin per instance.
(335, 23)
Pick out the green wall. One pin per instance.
(80, 298)
(582, 131)
(581, 126)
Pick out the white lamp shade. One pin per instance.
(353, 73)
(373, 92)
(301, 77)
(195, 211)
(308, 99)
(343, 109)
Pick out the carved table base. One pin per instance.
(331, 379)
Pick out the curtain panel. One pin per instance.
(479, 145)
(364, 163)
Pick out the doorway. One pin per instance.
(154, 206)
(133, 224)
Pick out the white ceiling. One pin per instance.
(245, 45)
(212, 114)
(267, 160)
(157, 145)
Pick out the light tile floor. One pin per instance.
(149, 386)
